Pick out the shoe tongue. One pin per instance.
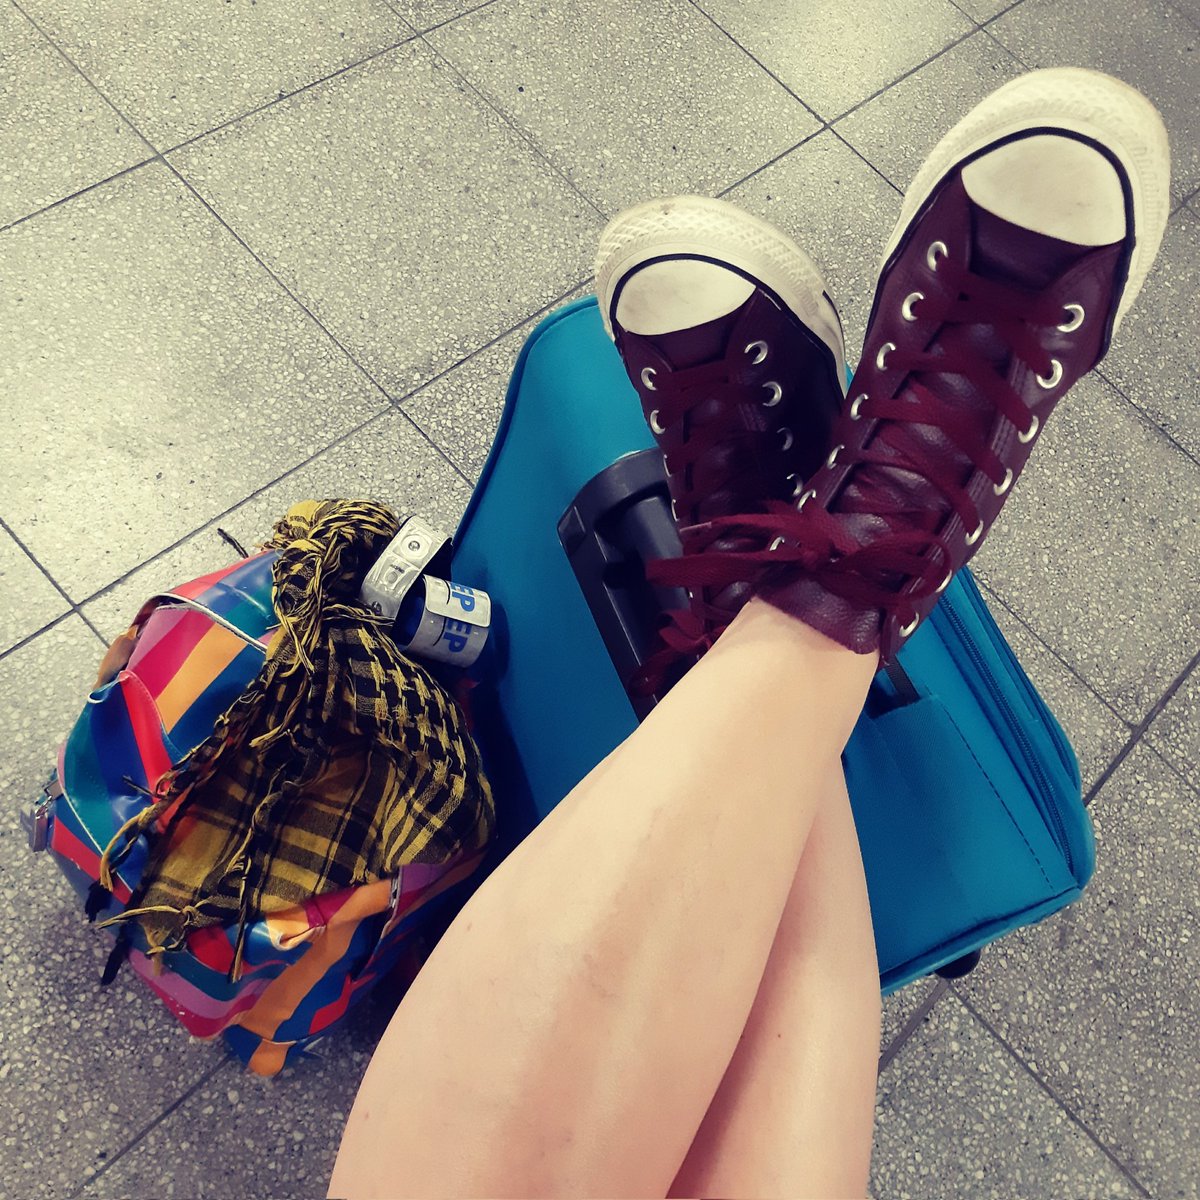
(701, 343)
(1010, 253)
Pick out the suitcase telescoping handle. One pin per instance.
(620, 520)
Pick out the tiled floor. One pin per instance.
(252, 252)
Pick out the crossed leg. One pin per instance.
(794, 1113)
(571, 1029)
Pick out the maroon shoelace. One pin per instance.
(818, 542)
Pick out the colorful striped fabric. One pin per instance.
(162, 687)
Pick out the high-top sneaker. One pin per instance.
(1021, 244)
(736, 352)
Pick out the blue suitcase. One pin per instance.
(965, 791)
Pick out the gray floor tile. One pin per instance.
(82, 1068)
(900, 1006)
(832, 54)
(1175, 732)
(839, 210)
(1094, 730)
(240, 1135)
(159, 376)
(1156, 358)
(1101, 1000)
(179, 70)
(423, 14)
(1144, 42)
(983, 10)
(896, 130)
(654, 124)
(388, 461)
(1098, 550)
(461, 409)
(1189, 8)
(61, 132)
(956, 1116)
(412, 220)
(17, 33)
(28, 600)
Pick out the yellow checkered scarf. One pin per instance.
(341, 761)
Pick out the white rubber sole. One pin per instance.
(698, 225)
(1075, 100)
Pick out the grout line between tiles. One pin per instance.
(36, 634)
(1049, 1091)
(1140, 729)
(80, 192)
(284, 96)
(854, 150)
(770, 163)
(440, 24)
(1146, 418)
(911, 1026)
(995, 597)
(519, 130)
(152, 1125)
(759, 63)
(958, 41)
(1002, 13)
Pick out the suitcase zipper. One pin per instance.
(1050, 801)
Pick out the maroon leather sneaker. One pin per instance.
(1022, 242)
(736, 353)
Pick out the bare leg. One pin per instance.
(794, 1114)
(570, 1030)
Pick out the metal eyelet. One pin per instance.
(832, 459)
(648, 374)
(881, 357)
(798, 486)
(1077, 315)
(907, 629)
(1001, 488)
(906, 308)
(655, 427)
(1056, 374)
(775, 544)
(856, 405)
(945, 583)
(759, 350)
(674, 510)
(935, 254)
(806, 498)
(788, 439)
(972, 538)
(1027, 436)
(775, 396)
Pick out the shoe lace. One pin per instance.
(818, 542)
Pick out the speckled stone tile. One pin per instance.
(156, 376)
(461, 409)
(839, 211)
(28, 600)
(1144, 42)
(655, 125)
(832, 54)
(1189, 8)
(1175, 732)
(82, 1068)
(388, 460)
(240, 1135)
(956, 1116)
(900, 1006)
(1098, 549)
(63, 135)
(178, 71)
(1101, 1000)
(17, 33)
(983, 10)
(896, 130)
(1155, 360)
(1095, 732)
(411, 219)
(424, 14)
